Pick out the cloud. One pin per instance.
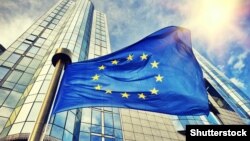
(237, 82)
(231, 60)
(239, 64)
(17, 15)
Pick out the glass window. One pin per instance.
(57, 132)
(60, 119)
(14, 76)
(5, 112)
(34, 64)
(23, 46)
(44, 23)
(85, 127)
(109, 131)
(117, 120)
(42, 52)
(109, 139)
(48, 19)
(84, 136)
(96, 117)
(67, 136)
(8, 85)
(96, 129)
(96, 138)
(25, 61)
(108, 119)
(12, 99)
(86, 115)
(52, 14)
(118, 133)
(3, 95)
(51, 26)
(70, 119)
(19, 88)
(58, 17)
(31, 37)
(55, 21)
(13, 58)
(33, 50)
(40, 41)
(5, 55)
(25, 79)
(3, 72)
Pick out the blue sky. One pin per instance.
(220, 28)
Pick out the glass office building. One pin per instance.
(26, 71)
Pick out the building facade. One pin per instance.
(26, 71)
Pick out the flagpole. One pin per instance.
(61, 57)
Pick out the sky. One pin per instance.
(220, 28)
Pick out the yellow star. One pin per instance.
(108, 92)
(158, 78)
(95, 77)
(142, 96)
(155, 64)
(144, 56)
(102, 67)
(98, 87)
(115, 62)
(130, 57)
(125, 95)
(154, 91)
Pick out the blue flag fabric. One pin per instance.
(159, 73)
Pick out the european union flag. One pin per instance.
(159, 73)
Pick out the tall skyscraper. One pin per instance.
(26, 70)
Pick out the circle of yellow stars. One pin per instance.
(125, 95)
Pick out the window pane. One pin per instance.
(25, 79)
(57, 132)
(3, 72)
(70, 120)
(109, 131)
(40, 41)
(14, 57)
(23, 46)
(96, 117)
(84, 136)
(117, 120)
(86, 115)
(67, 136)
(12, 99)
(118, 133)
(33, 50)
(85, 127)
(3, 95)
(14, 76)
(96, 129)
(31, 37)
(34, 64)
(60, 119)
(109, 139)
(108, 119)
(25, 61)
(96, 138)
